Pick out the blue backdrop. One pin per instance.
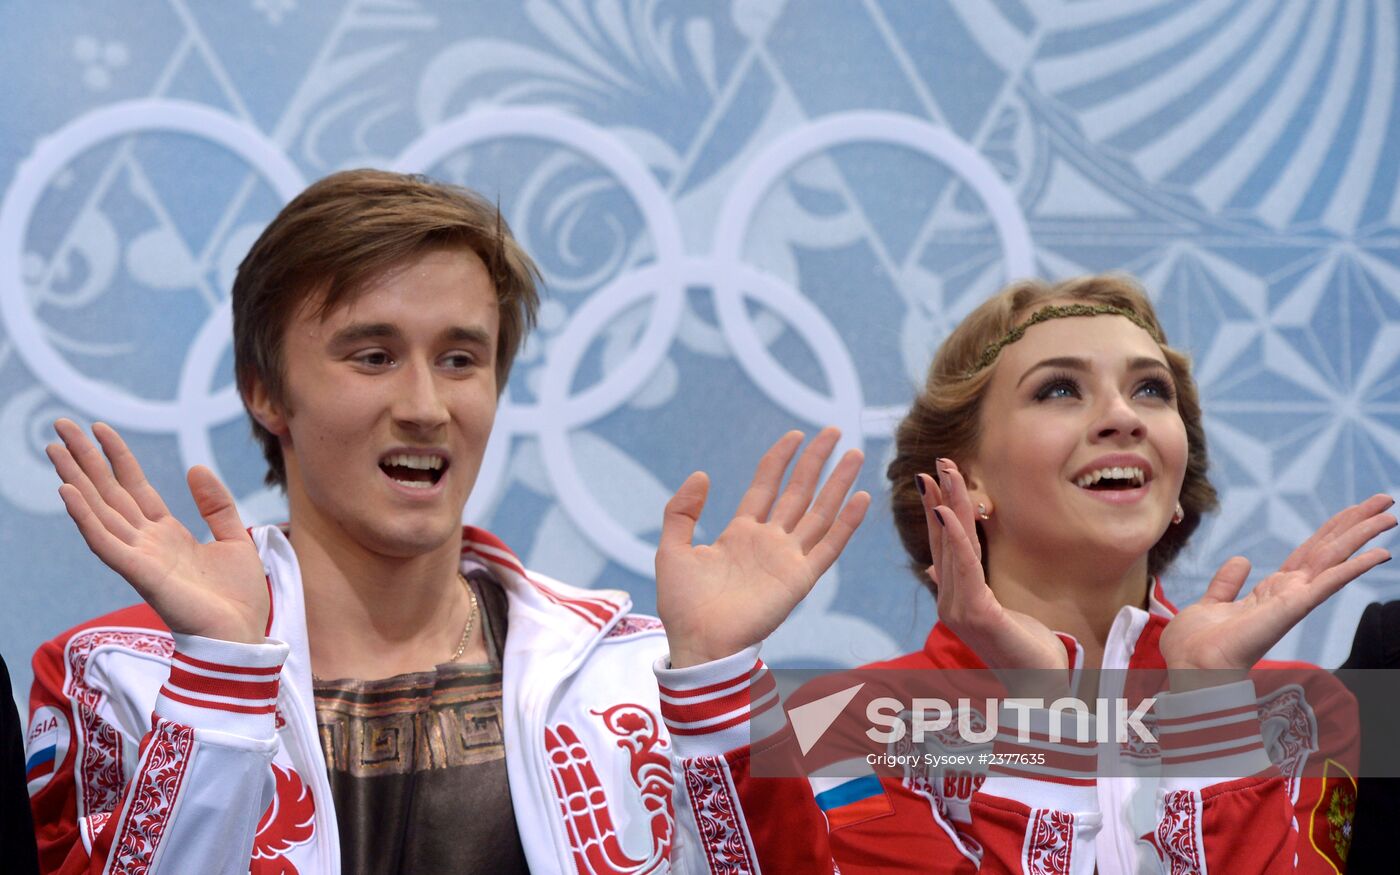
(752, 215)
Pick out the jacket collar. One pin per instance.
(589, 610)
(946, 650)
(585, 612)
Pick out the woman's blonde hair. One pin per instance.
(945, 418)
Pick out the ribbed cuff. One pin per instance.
(224, 686)
(709, 708)
(1212, 732)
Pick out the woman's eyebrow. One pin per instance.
(1141, 363)
(1064, 361)
(1144, 363)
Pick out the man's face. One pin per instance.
(389, 404)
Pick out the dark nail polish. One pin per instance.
(938, 516)
(919, 482)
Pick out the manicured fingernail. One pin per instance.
(919, 482)
(938, 516)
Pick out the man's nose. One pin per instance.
(420, 403)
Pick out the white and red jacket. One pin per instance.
(161, 753)
(1054, 818)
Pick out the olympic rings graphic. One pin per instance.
(659, 284)
(842, 409)
(193, 407)
(807, 140)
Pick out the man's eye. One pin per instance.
(459, 360)
(375, 359)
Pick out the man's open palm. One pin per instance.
(216, 590)
(716, 600)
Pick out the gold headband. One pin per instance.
(1060, 311)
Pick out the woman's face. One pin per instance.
(1082, 446)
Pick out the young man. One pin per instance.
(372, 688)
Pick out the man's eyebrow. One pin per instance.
(1141, 363)
(364, 331)
(464, 334)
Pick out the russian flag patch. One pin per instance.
(45, 746)
(851, 801)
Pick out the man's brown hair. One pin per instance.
(946, 417)
(341, 233)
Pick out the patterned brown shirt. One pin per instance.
(417, 765)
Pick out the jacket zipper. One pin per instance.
(312, 768)
(535, 711)
(1110, 798)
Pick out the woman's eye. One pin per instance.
(1157, 388)
(1057, 388)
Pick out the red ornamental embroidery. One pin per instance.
(633, 624)
(1049, 843)
(289, 821)
(587, 816)
(95, 823)
(153, 798)
(101, 776)
(1290, 733)
(1176, 834)
(717, 817)
(1136, 748)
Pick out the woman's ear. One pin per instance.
(267, 412)
(982, 504)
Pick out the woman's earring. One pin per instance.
(1179, 515)
(982, 511)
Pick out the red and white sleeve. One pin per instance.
(202, 778)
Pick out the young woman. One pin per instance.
(1051, 469)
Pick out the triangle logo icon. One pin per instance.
(812, 720)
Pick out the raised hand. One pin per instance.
(1221, 633)
(216, 590)
(716, 600)
(1006, 640)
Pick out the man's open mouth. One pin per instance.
(417, 471)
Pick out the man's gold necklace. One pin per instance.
(466, 629)
(471, 620)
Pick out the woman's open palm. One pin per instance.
(1221, 632)
(1003, 638)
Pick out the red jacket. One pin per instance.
(1052, 818)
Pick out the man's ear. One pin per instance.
(267, 412)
